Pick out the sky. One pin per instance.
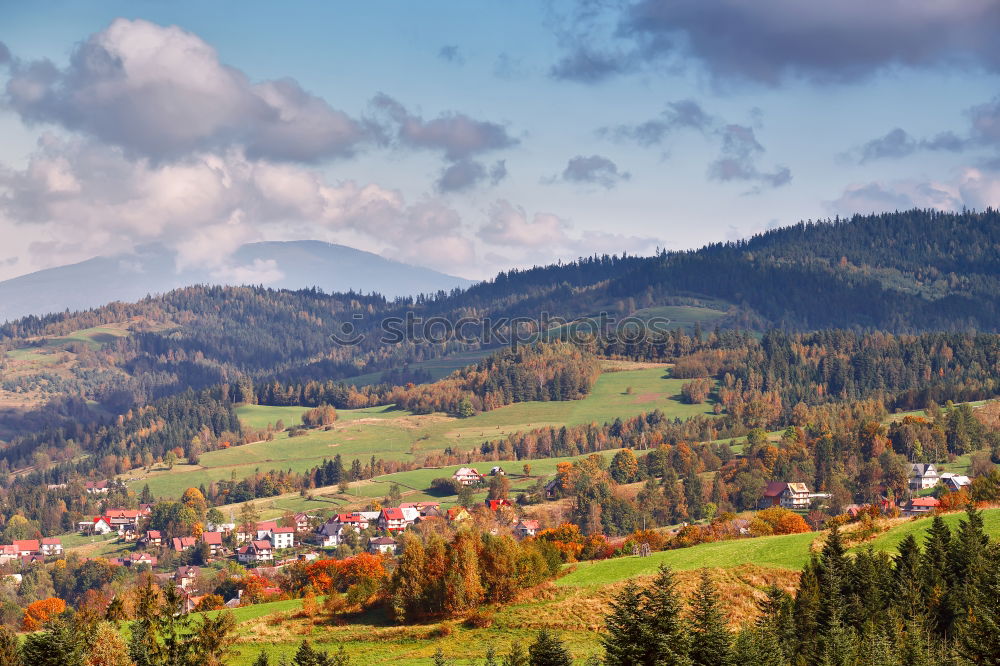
(472, 137)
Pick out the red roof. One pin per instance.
(925, 501)
(529, 524)
(212, 538)
(495, 504)
(154, 534)
(51, 541)
(122, 513)
(283, 530)
(394, 513)
(180, 543)
(268, 525)
(775, 488)
(27, 544)
(262, 545)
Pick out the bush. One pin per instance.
(445, 486)
(481, 618)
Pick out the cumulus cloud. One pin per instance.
(737, 160)
(162, 93)
(466, 174)
(679, 115)
(81, 198)
(592, 170)
(899, 143)
(455, 135)
(510, 225)
(769, 41)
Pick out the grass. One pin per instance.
(399, 435)
(437, 368)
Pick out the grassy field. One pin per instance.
(573, 607)
(436, 368)
(399, 435)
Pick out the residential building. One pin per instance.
(923, 475)
(27, 546)
(52, 547)
(9, 553)
(382, 545)
(919, 506)
(495, 504)
(497, 470)
(185, 577)
(255, 552)
(467, 476)
(458, 513)
(96, 487)
(214, 542)
(421, 507)
(154, 537)
(283, 537)
(180, 544)
(392, 520)
(772, 494)
(954, 482)
(526, 528)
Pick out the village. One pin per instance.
(266, 546)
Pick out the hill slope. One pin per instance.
(151, 270)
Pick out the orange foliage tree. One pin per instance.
(39, 612)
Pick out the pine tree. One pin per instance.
(491, 656)
(979, 634)
(261, 660)
(669, 641)
(548, 650)
(438, 658)
(710, 640)
(838, 640)
(934, 565)
(626, 637)
(58, 645)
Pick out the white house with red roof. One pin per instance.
(526, 528)
(8, 553)
(96, 487)
(382, 546)
(154, 537)
(52, 546)
(27, 546)
(392, 520)
(283, 537)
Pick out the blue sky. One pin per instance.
(471, 137)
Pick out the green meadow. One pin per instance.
(393, 434)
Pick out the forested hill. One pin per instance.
(902, 272)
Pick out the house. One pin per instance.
(301, 522)
(795, 496)
(458, 513)
(255, 552)
(392, 520)
(923, 475)
(180, 544)
(369, 517)
(410, 514)
(422, 507)
(331, 533)
(772, 494)
(495, 504)
(497, 470)
(121, 518)
(27, 546)
(225, 528)
(8, 553)
(382, 545)
(526, 528)
(135, 559)
(954, 482)
(102, 525)
(52, 547)
(431, 513)
(283, 537)
(96, 487)
(154, 537)
(553, 489)
(185, 577)
(919, 506)
(467, 476)
(265, 528)
(214, 542)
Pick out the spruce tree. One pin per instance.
(979, 634)
(669, 640)
(934, 579)
(757, 646)
(626, 637)
(711, 643)
(548, 650)
(261, 660)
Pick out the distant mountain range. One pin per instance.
(152, 270)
